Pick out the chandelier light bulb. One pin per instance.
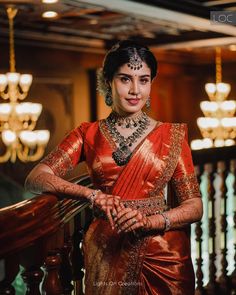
(205, 123)
(219, 142)
(49, 1)
(49, 14)
(209, 106)
(207, 143)
(25, 82)
(35, 109)
(8, 137)
(229, 122)
(196, 144)
(13, 78)
(5, 109)
(3, 82)
(28, 138)
(228, 106)
(210, 88)
(223, 88)
(42, 137)
(229, 142)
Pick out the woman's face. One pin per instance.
(130, 89)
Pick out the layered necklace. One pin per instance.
(139, 123)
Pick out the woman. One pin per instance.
(145, 185)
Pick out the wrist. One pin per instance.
(92, 196)
(167, 223)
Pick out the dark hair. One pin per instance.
(119, 55)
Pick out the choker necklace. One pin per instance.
(123, 153)
(127, 122)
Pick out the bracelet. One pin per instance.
(93, 196)
(167, 221)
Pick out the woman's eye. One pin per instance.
(144, 81)
(124, 79)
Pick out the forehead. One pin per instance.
(144, 70)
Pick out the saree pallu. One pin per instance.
(135, 263)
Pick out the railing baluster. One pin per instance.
(66, 266)
(52, 283)
(223, 280)
(32, 279)
(10, 268)
(198, 231)
(233, 275)
(212, 287)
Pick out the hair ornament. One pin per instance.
(135, 61)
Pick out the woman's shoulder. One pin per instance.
(84, 126)
(171, 130)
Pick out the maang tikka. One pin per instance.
(135, 61)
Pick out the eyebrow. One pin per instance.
(130, 76)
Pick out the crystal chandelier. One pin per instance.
(18, 119)
(218, 127)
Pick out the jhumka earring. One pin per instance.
(148, 102)
(108, 99)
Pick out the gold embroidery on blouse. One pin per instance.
(59, 161)
(186, 187)
(176, 139)
(106, 133)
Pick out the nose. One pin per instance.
(134, 88)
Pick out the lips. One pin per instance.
(133, 101)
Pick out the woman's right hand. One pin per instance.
(110, 205)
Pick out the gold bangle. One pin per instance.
(167, 221)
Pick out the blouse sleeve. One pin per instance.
(184, 180)
(67, 154)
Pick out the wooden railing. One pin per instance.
(215, 244)
(43, 235)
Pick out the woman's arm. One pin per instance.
(42, 179)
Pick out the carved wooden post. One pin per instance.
(32, 279)
(198, 231)
(223, 280)
(212, 285)
(52, 284)
(77, 257)
(66, 267)
(233, 275)
(10, 268)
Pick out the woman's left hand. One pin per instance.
(129, 219)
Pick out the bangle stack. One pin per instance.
(167, 221)
(93, 196)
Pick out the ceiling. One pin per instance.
(94, 25)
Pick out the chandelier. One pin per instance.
(218, 127)
(18, 119)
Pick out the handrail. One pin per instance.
(43, 231)
(29, 220)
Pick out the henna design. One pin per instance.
(47, 182)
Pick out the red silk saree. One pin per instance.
(135, 263)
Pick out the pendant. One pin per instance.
(122, 155)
